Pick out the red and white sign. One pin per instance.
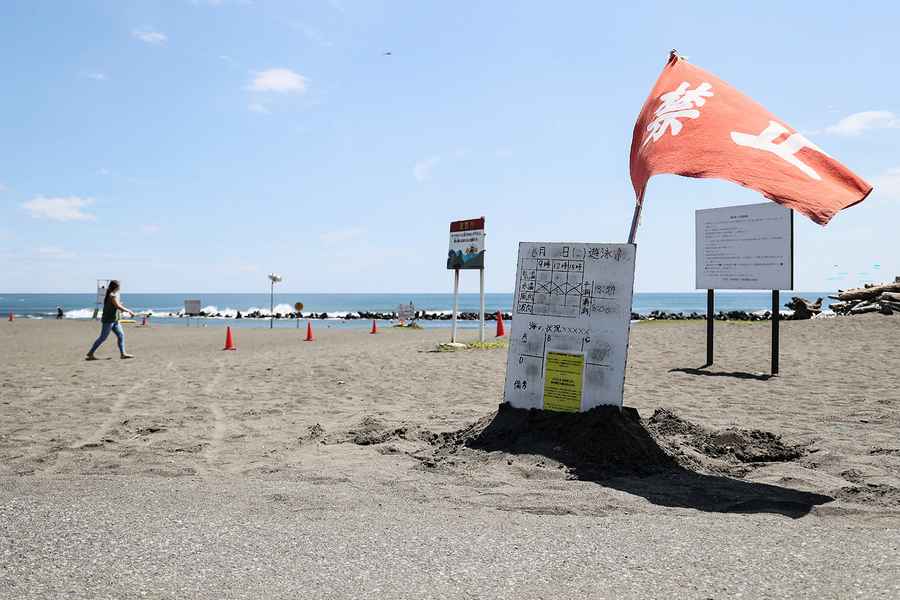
(696, 125)
(466, 244)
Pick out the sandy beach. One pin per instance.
(372, 466)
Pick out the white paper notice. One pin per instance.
(745, 248)
(570, 326)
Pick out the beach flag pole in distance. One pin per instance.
(501, 331)
(697, 125)
(229, 340)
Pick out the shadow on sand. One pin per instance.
(612, 447)
(736, 374)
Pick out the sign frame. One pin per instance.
(467, 231)
(571, 324)
(760, 224)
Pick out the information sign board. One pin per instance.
(192, 307)
(571, 319)
(406, 312)
(466, 244)
(746, 247)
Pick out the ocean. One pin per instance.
(165, 307)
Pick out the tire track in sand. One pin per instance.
(96, 439)
(219, 426)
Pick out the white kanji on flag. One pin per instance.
(681, 103)
(786, 150)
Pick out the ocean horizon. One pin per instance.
(165, 308)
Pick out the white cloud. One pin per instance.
(856, 123)
(60, 209)
(338, 236)
(278, 80)
(887, 185)
(53, 252)
(258, 108)
(95, 75)
(150, 228)
(422, 169)
(149, 36)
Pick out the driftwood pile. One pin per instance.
(804, 309)
(883, 298)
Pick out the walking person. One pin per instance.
(109, 321)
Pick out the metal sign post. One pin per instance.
(455, 303)
(776, 316)
(710, 321)
(481, 309)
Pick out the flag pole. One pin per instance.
(634, 222)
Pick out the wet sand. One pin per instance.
(367, 465)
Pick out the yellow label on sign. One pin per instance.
(562, 381)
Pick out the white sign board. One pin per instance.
(571, 318)
(192, 307)
(101, 291)
(748, 247)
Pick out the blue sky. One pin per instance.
(197, 146)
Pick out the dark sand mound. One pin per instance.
(603, 438)
(610, 439)
(873, 494)
(659, 461)
(732, 445)
(667, 459)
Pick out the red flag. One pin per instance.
(696, 125)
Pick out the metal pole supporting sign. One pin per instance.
(776, 317)
(710, 324)
(455, 303)
(481, 309)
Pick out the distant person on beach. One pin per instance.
(59, 313)
(109, 321)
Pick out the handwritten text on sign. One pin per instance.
(571, 319)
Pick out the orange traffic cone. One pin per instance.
(229, 341)
(11, 319)
(309, 333)
(501, 331)
(374, 327)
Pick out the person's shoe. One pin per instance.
(90, 356)
(124, 356)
